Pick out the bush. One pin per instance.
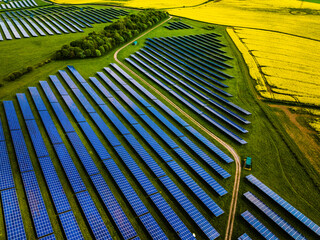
(97, 44)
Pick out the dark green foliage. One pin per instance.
(115, 34)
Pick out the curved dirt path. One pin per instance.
(233, 204)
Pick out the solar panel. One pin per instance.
(92, 93)
(64, 120)
(244, 237)
(70, 226)
(204, 225)
(11, 115)
(216, 167)
(113, 207)
(69, 168)
(153, 228)
(196, 189)
(125, 187)
(210, 145)
(67, 79)
(55, 187)
(273, 216)
(47, 90)
(123, 111)
(93, 216)
(6, 177)
(36, 138)
(95, 141)
(37, 99)
(50, 127)
(135, 169)
(49, 237)
(24, 106)
(171, 217)
(82, 153)
(37, 207)
(105, 129)
(76, 74)
(256, 224)
(73, 108)
(283, 203)
(12, 215)
(21, 151)
(83, 100)
(202, 173)
(2, 138)
(101, 88)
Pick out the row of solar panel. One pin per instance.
(190, 105)
(177, 25)
(284, 204)
(35, 201)
(201, 103)
(167, 123)
(115, 172)
(19, 4)
(134, 143)
(62, 22)
(163, 154)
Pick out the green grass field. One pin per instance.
(276, 159)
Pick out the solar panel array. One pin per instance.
(257, 225)
(283, 203)
(199, 69)
(274, 216)
(18, 4)
(244, 237)
(177, 26)
(52, 20)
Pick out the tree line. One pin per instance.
(115, 34)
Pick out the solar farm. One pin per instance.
(142, 143)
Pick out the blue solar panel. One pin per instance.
(93, 216)
(82, 153)
(36, 204)
(244, 237)
(24, 106)
(47, 90)
(256, 224)
(172, 217)
(197, 190)
(50, 127)
(210, 145)
(55, 187)
(76, 74)
(6, 177)
(92, 93)
(101, 88)
(113, 207)
(11, 115)
(64, 121)
(73, 108)
(283, 203)
(12, 215)
(2, 138)
(36, 138)
(21, 150)
(108, 81)
(159, 131)
(119, 125)
(37, 99)
(105, 129)
(123, 111)
(70, 226)
(153, 228)
(125, 187)
(216, 167)
(202, 173)
(83, 100)
(134, 168)
(131, 104)
(95, 141)
(69, 168)
(67, 79)
(273, 216)
(204, 225)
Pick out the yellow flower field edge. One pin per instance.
(254, 71)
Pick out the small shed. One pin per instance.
(135, 43)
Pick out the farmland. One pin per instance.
(121, 136)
